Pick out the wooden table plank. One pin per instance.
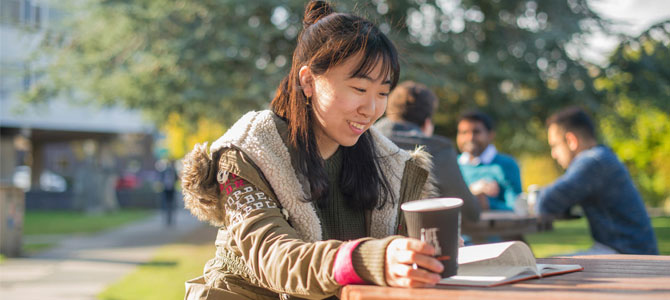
(604, 277)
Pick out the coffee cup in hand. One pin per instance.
(437, 222)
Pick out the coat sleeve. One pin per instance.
(576, 185)
(273, 252)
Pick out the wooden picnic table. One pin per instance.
(505, 224)
(604, 277)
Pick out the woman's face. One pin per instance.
(344, 107)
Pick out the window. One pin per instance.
(21, 12)
(11, 11)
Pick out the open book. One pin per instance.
(501, 263)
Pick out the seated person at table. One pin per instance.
(408, 123)
(596, 180)
(306, 194)
(493, 177)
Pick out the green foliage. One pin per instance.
(216, 59)
(200, 59)
(644, 146)
(210, 61)
(640, 69)
(180, 140)
(515, 60)
(634, 120)
(541, 170)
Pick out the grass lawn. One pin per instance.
(164, 277)
(44, 223)
(67, 222)
(31, 248)
(573, 235)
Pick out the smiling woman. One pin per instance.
(344, 105)
(289, 186)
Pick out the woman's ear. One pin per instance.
(306, 81)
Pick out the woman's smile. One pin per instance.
(357, 126)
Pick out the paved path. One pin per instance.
(82, 266)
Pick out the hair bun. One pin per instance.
(314, 11)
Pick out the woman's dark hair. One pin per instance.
(328, 39)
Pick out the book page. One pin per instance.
(497, 254)
(500, 263)
(491, 264)
(485, 276)
(492, 271)
(552, 269)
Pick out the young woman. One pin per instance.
(307, 195)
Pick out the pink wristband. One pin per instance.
(343, 268)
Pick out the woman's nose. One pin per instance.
(367, 108)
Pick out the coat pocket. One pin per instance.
(197, 289)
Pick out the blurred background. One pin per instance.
(97, 96)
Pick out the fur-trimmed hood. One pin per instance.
(257, 136)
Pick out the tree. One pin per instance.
(515, 60)
(635, 119)
(200, 59)
(216, 59)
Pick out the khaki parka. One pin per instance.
(270, 247)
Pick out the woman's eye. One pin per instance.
(384, 94)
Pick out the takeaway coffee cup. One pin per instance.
(438, 222)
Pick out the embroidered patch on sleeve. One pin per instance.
(241, 198)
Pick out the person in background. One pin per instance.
(408, 123)
(492, 177)
(597, 181)
(307, 194)
(168, 178)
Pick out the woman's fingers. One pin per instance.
(413, 245)
(407, 276)
(424, 261)
(401, 254)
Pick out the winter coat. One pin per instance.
(273, 249)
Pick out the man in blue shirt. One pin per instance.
(596, 180)
(493, 177)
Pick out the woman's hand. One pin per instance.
(401, 253)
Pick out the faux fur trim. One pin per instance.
(201, 194)
(425, 160)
